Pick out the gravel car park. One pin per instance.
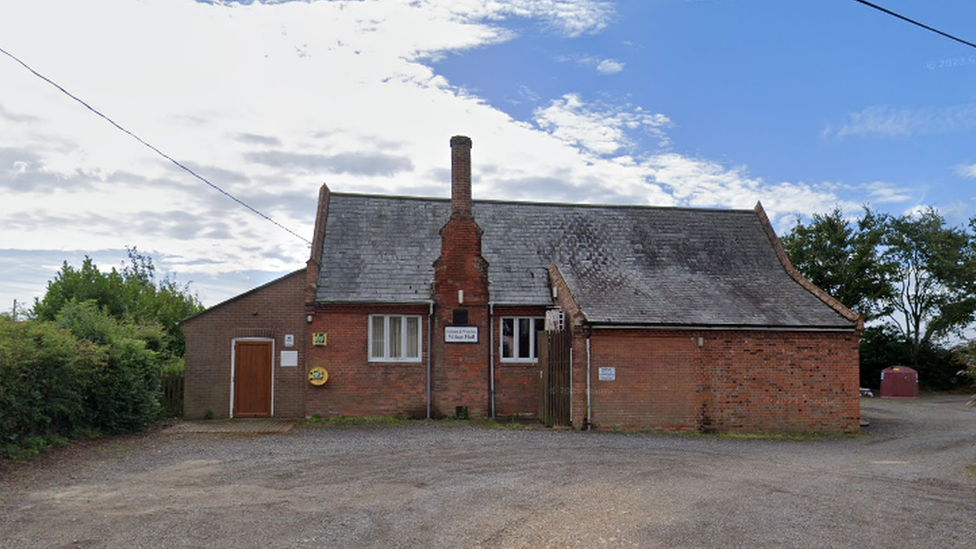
(907, 481)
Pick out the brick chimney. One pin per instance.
(461, 178)
(460, 369)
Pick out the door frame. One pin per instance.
(233, 373)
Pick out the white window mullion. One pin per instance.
(387, 344)
(532, 339)
(518, 328)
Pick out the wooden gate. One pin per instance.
(252, 379)
(555, 387)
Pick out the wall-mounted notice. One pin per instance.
(460, 334)
(289, 358)
(608, 373)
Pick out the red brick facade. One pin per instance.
(725, 381)
(737, 380)
(516, 383)
(270, 312)
(356, 385)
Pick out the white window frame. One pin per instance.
(403, 338)
(533, 351)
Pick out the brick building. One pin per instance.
(590, 316)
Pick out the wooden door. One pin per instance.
(252, 379)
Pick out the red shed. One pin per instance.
(899, 382)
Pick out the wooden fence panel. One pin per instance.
(172, 401)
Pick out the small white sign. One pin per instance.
(608, 373)
(460, 334)
(289, 358)
(289, 340)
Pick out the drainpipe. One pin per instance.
(589, 408)
(430, 351)
(491, 355)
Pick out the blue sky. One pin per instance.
(699, 103)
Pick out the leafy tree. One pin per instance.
(843, 259)
(83, 284)
(882, 346)
(133, 296)
(932, 277)
(912, 271)
(965, 356)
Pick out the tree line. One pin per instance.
(90, 356)
(912, 277)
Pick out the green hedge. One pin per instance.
(85, 373)
(40, 398)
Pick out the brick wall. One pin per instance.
(516, 383)
(782, 382)
(736, 381)
(656, 380)
(270, 311)
(356, 386)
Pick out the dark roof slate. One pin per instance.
(623, 264)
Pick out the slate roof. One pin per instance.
(624, 264)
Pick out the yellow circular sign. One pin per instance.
(318, 376)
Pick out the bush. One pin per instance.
(121, 388)
(881, 347)
(41, 392)
(936, 370)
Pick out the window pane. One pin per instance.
(413, 337)
(524, 337)
(540, 326)
(396, 337)
(508, 334)
(376, 346)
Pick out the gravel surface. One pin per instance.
(906, 482)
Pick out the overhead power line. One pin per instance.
(153, 148)
(914, 22)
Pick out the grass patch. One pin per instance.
(495, 424)
(791, 437)
(114, 449)
(346, 421)
(795, 437)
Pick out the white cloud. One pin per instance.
(604, 135)
(601, 65)
(966, 171)
(918, 210)
(887, 193)
(595, 130)
(885, 121)
(572, 18)
(271, 101)
(609, 66)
